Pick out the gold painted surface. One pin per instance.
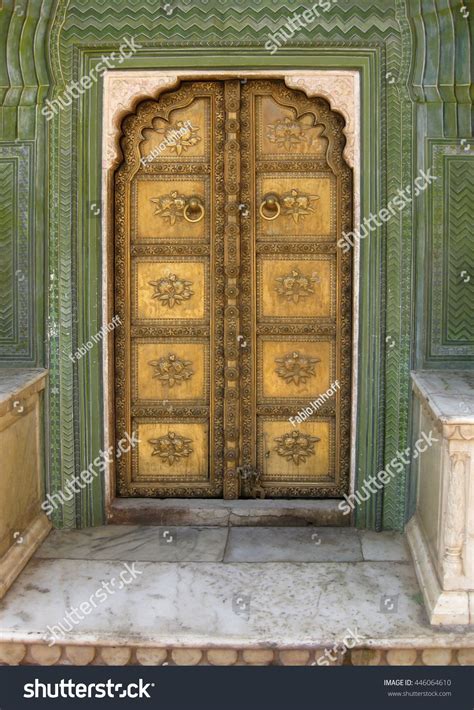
(296, 295)
(235, 301)
(295, 288)
(297, 369)
(232, 317)
(306, 206)
(169, 239)
(296, 454)
(167, 290)
(171, 370)
(281, 132)
(20, 475)
(161, 206)
(184, 136)
(183, 452)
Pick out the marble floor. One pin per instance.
(191, 586)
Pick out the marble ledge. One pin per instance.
(448, 394)
(15, 383)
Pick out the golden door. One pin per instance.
(233, 358)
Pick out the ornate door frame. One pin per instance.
(123, 91)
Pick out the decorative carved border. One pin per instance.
(98, 654)
(341, 91)
(451, 256)
(375, 40)
(232, 177)
(17, 277)
(123, 90)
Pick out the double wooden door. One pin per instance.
(233, 358)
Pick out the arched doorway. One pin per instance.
(233, 361)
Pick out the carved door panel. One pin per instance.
(233, 298)
(169, 294)
(296, 295)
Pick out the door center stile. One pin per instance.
(233, 338)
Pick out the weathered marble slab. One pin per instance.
(208, 544)
(384, 547)
(310, 544)
(215, 604)
(137, 542)
(449, 395)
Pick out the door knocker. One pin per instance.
(270, 206)
(194, 210)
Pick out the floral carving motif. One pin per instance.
(171, 290)
(171, 207)
(295, 285)
(296, 368)
(174, 207)
(180, 136)
(287, 132)
(171, 447)
(295, 446)
(297, 204)
(171, 370)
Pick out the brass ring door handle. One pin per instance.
(270, 207)
(193, 206)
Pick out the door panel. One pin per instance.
(169, 359)
(159, 209)
(297, 367)
(234, 299)
(296, 295)
(305, 454)
(298, 289)
(306, 208)
(168, 289)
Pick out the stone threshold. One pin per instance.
(227, 513)
(224, 600)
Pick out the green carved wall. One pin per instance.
(24, 82)
(413, 56)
